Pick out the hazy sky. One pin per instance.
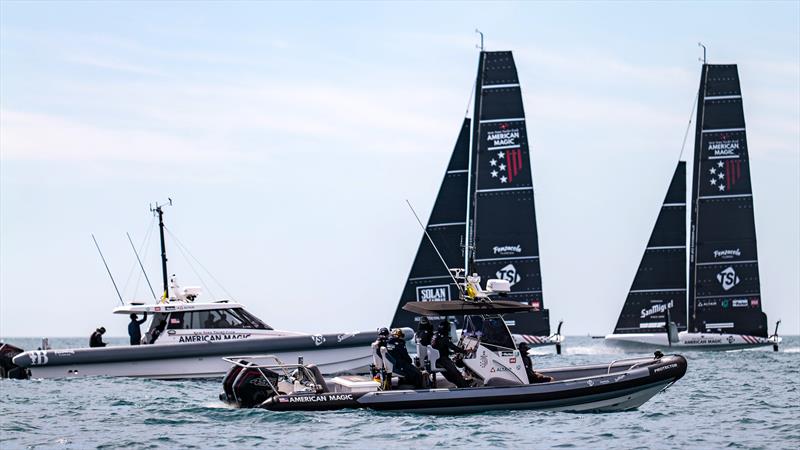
(289, 136)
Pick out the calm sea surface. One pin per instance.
(740, 399)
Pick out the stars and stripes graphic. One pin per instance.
(724, 174)
(538, 340)
(752, 339)
(505, 164)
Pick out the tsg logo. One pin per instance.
(728, 279)
(509, 273)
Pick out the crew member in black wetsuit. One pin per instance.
(397, 353)
(423, 336)
(533, 376)
(96, 340)
(133, 329)
(441, 342)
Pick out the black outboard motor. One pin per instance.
(247, 387)
(7, 367)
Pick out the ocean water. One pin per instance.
(735, 399)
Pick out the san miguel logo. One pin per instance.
(656, 309)
(510, 274)
(728, 278)
(433, 293)
(724, 174)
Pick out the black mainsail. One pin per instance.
(488, 184)
(659, 287)
(503, 241)
(429, 279)
(724, 294)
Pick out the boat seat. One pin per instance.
(387, 362)
(495, 381)
(319, 379)
(377, 361)
(433, 356)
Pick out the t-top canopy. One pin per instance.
(459, 307)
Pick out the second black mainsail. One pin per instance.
(725, 292)
(503, 239)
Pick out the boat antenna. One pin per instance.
(700, 44)
(158, 209)
(140, 265)
(108, 270)
(481, 33)
(424, 230)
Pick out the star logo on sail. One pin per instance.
(728, 278)
(505, 164)
(725, 174)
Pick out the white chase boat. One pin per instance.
(722, 307)
(187, 338)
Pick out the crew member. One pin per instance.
(441, 342)
(397, 353)
(423, 338)
(133, 329)
(377, 358)
(533, 376)
(96, 339)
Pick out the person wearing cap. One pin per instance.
(133, 328)
(96, 339)
(398, 354)
(533, 376)
(423, 337)
(441, 342)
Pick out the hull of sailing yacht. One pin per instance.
(687, 341)
(332, 353)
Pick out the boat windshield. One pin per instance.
(491, 330)
(215, 318)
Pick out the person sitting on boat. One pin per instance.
(423, 337)
(533, 376)
(398, 355)
(133, 329)
(441, 342)
(96, 339)
(377, 358)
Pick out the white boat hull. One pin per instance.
(686, 340)
(330, 361)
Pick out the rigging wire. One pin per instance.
(133, 266)
(689, 125)
(180, 244)
(205, 286)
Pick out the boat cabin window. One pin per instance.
(491, 330)
(215, 318)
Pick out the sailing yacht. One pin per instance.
(721, 309)
(484, 218)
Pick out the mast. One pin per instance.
(469, 248)
(158, 210)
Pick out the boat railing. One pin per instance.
(247, 361)
(640, 362)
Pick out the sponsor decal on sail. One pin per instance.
(510, 274)
(506, 250)
(504, 136)
(739, 303)
(727, 254)
(724, 147)
(725, 174)
(754, 302)
(656, 309)
(433, 293)
(728, 278)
